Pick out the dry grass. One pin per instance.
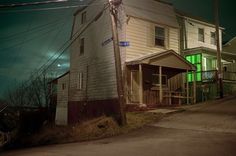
(94, 129)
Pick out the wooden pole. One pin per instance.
(194, 87)
(119, 79)
(220, 74)
(140, 84)
(187, 88)
(160, 82)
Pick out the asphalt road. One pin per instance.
(202, 130)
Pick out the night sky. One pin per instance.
(29, 38)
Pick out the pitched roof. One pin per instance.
(152, 10)
(166, 59)
(194, 17)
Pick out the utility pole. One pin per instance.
(114, 5)
(220, 73)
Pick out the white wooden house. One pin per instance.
(150, 58)
(198, 46)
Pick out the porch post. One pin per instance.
(140, 84)
(160, 82)
(187, 88)
(194, 87)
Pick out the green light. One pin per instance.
(195, 59)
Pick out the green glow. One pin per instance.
(195, 59)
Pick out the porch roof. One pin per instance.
(165, 59)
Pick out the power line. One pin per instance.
(70, 42)
(32, 3)
(49, 8)
(40, 28)
(40, 9)
(28, 40)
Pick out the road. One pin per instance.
(202, 130)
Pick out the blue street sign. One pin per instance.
(124, 44)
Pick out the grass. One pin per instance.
(98, 128)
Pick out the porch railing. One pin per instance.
(210, 75)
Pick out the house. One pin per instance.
(149, 36)
(198, 46)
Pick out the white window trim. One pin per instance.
(80, 81)
(212, 38)
(203, 35)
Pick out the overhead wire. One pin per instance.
(71, 41)
(40, 27)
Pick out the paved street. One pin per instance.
(202, 130)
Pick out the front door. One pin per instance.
(135, 86)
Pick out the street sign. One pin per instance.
(107, 41)
(124, 44)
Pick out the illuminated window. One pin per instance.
(213, 38)
(195, 59)
(160, 36)
(201, 34)
(81, 46)
(83, 18)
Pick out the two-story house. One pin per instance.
(198, 46)
(149, 35)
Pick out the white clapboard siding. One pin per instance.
(192, 27)
(97, 63)
(62, 100)
(140, 34)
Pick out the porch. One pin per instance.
(156, 80)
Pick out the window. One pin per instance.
(195, 59)
(213, 38)
(80, 81)
(160, 36)
(155, 80)
(201, 34)
(83, 18)
(63, 86)
(81, 46)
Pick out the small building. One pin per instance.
(62, 92)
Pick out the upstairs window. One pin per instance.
(81, 46)
(201, 35)
(83, 18)
(213, 38)
(160, 36)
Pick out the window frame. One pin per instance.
(83, 17)
(82, 46)
(201, 37)
(164, 77)
(213, 43)
(79, 85)
(163, 38)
